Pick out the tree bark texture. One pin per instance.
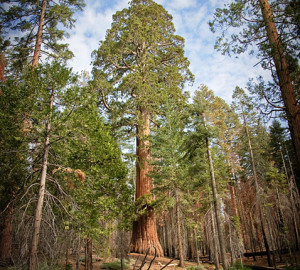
(6, 237)
(144, 232)
(39, 35)
(40, 202)
(2, 67)
(287, 92)
(89, 254)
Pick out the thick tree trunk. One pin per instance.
(38, 42)
(40, 202)
(287, 92)
(144, 232)
(216, 204)
(6, 237)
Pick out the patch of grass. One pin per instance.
(238, 266)
(197, 267)
(292, 267)
(115, 265)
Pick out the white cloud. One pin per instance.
(91, 27)
(180, 4)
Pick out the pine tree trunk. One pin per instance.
(2, 67)
(40, 202)
(144, 232)
(38, 42)
(287, 92)
(6, 237)
(196, 247)
(214, 238)
(216, 204)
(252, 237)
(181, 261)
(89, 254)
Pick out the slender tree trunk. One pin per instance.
(89, 254)
(287, 92)
(252, 237)
(216, 203)
(181, 261)
(39, 35)
(2, 68)
(257, 191)
(40, 202)
(214, 237)
(234, 204)
(6, 237)
(144, 232)
(196, 247)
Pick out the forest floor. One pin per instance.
(136, 259)
(261, 261)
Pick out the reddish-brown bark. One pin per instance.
(38, 43)
(2, 67)
(6, 237)
(89, 254)
(144, 232)
(287, 92)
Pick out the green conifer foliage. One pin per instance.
(138, 66)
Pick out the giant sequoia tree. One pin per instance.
(137, 67)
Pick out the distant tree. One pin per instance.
(243, 106)
(139, 66)
(36, 28)
(277, 39)
(206, 108)
(169, 169)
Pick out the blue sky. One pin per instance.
(190, 17)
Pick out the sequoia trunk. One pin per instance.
(144, 232)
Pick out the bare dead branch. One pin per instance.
(153, 258)
(167, 264)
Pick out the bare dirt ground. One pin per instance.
(159, 262)
(136, 260)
